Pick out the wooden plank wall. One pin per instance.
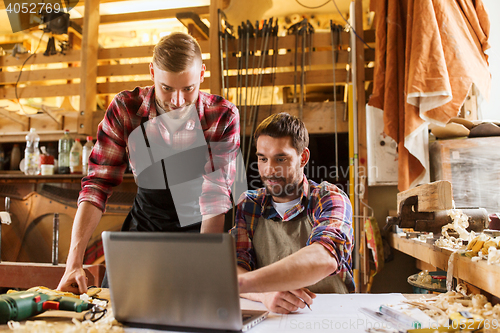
(318, 72)
(125, 68)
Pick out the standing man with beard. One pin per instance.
(181, 144)
(294, 237)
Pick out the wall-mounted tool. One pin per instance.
(55, 240)
(5, 219)
(335, 38)
(306, 31)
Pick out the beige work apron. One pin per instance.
(275, 240)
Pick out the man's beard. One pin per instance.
(282, 190)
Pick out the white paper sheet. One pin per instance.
(335, 313)
(330, 313)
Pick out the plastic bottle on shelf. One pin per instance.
(87, 149)
(15, 157)
(64, 152)
(46, 163)
(75, 157)
(32, 153)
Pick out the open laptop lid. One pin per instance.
(173, 279)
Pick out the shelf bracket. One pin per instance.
(15, 118)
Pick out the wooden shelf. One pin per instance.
(19, 177)
(479, 273)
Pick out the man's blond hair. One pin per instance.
(176, 52)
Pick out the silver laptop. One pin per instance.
(175, 281)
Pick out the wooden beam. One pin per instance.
(39, 58)
(88, 86)
(215, 67)
(122, 70)
(318, 116)
(431, 197)
(40, 91)
(318, 58)
(282, 79)
(13, 116)
(321, 41)
(149, 15)
(40, 75)
(126, 52)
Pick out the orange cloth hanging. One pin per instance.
(428, 55)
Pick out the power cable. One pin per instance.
(21, 71)
(350, 26)
(326, 3)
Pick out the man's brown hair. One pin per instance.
(176, 52)
(280, 125)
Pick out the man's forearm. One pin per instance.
(303, 268)
(212, 224)
(86, 220)
(251, 296)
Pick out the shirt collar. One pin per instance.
(268, 211)
(148, 106)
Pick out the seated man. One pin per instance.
(294, 237)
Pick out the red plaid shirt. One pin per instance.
(219, 120)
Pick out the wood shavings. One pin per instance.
(440, 308)
(493, 256)
(105, 325)
(52, 292)
(459, 224)
(479, 301)
(462, 289)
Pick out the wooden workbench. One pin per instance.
(479, 274)
(274, 323)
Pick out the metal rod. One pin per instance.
(226, 37)
(309, 54)
(303, 32)
(257, 33)
(346, 88)
(7, 209)
(221, 53)
(357, 224)
(239, 58)
(266, 31)
(333, 29)
(275, 60)
(295, 66)
(247, 55)
(55, 240)
(254, 83)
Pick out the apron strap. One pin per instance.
(143, 120)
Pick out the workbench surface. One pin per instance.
(328, 309)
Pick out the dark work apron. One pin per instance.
(155, 209)
(274, 240)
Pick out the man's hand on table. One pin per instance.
(285, 302)
(74, 281)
